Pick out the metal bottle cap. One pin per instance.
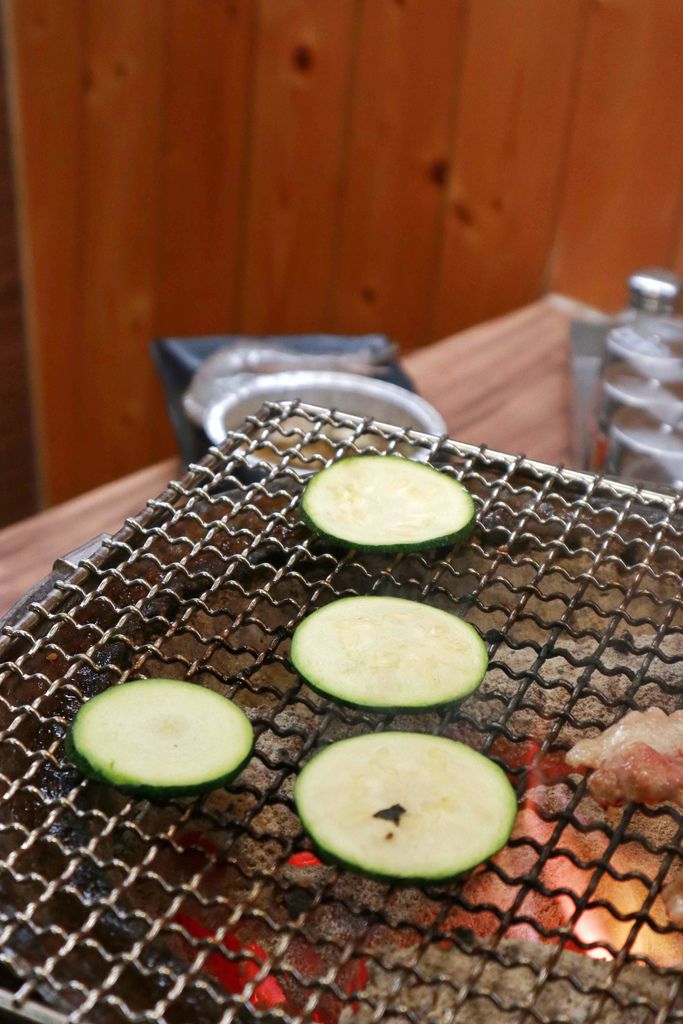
(655, 290)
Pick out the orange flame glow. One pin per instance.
(576, 859)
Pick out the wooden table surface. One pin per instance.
(504, 383)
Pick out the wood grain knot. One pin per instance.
(439, 170)
(463, 213)
(302, 57)
(368, 294)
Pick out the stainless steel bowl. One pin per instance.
(345, 392)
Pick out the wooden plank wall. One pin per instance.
(18, 476)
(408, 166)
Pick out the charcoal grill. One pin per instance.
(218, 910)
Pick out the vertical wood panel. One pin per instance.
(17, 462)
(301, 78)
(508, 151)
(205, 114)
(123, 425)
(625, 170)
(47, 65)
(408, 57)
(403, 163)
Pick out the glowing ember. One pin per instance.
(542, 878)
(556, 882)
(598, 925)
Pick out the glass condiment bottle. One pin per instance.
(642, 362)
(644, 449)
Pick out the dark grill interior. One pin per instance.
(217, 910)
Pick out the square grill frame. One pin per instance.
(207, 583)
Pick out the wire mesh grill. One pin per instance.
(217, 910)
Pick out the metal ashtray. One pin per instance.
(345, 392)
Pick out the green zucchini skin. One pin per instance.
(381, 707)
(430, 543)
(334, 860)
(332, 856)
(447, 541)
(156, 793)
(388, 709)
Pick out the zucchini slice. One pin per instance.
(386, 503)
(159, 738)
(405, 805)
(388, 653)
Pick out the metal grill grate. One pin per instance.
(216, 911)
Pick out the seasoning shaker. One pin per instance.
(642, 363)
(644, 448)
